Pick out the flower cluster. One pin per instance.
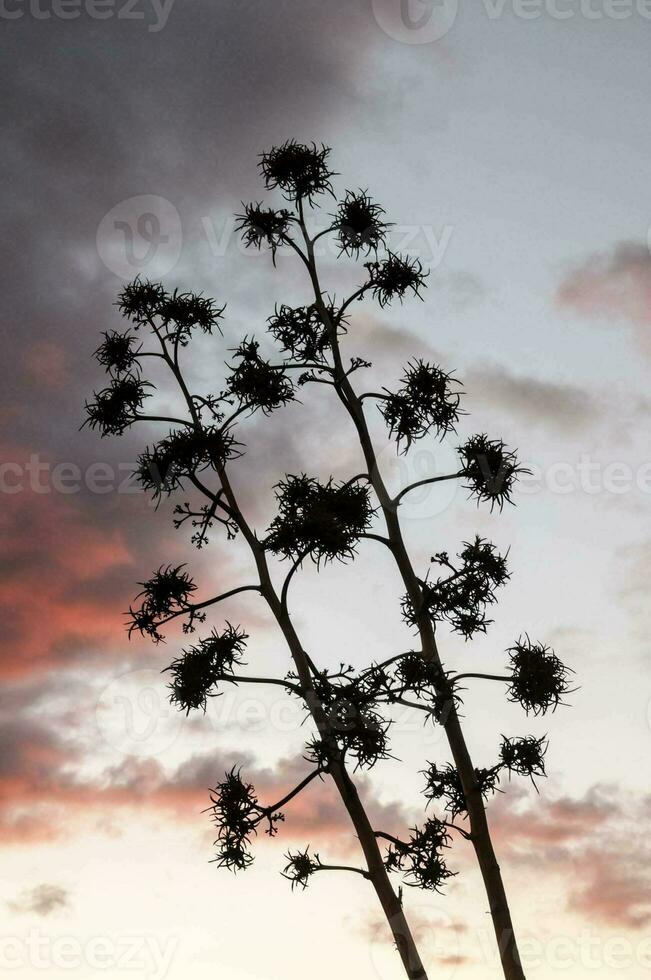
(324, 521)
(462, 596)
(524, 756)
(300, 332)
(539, 679)
(300, 867)
(139, 300)
(259, 224)
(393, 277)
(359, 224)
(142, 301)
(491, 469)
(255, 383)
(420, 859)
(350, 703)
(180, 455)
(164, 596)
(445, 784)
(236, 813)
(298, 169)
(116, 407)
(203, 665)
(426, 401)
(117, 353)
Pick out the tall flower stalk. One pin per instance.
(349, 707)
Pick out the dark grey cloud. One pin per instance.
(565, 407)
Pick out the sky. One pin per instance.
(507, 141)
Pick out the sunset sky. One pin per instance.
(512, 152)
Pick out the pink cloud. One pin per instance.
(613, 285)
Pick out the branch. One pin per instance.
(297, 564)
(483, 677)
(420, 483)
(343, 867)
(239, 679)
(192, 608)
(268, 810)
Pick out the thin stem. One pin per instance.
(343, 867)
(422, 483)
(268, 810)
(240, 679)
(483, 677)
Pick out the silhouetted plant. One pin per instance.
(349, 707)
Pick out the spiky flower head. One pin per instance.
(420, 858)
(444, 784)
(324, 521)
(116, 406)
(117, 353)
(393, 277)
(359, 224)
(203, 665)
(260, 225)
(236, 813)
(181, 312)
(300, 332)
(300, 867)
(140, 300)
(300, 170)
(461, 597)
(256, 383)
(164, 596)
(490, 468)
(539, 680)
(182, 454)
(426, 401)
(525, 756)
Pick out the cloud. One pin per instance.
(41, 900)
(563, 407)
(615, 285)
(597, 845)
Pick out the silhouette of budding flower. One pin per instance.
(324, 521)
(539, 679)
(164, 596)
(462, 596)
(525, 756)
(425, 401)
(394, 277)
(182, 454)
(359, 224)
(203, 665)
(236, 813)
(445, 784)
(255, 383)
(300, 867)
(259, 225)
(490, 468)
(116, 406)
(300, 332)
(187, 310)
(420, 859)
(140, 300)
(298, 169)
(116, 354)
